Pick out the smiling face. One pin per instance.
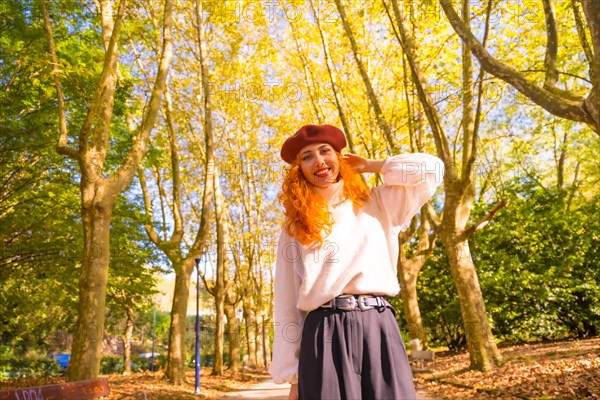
(319, 164)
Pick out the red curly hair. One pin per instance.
(307, 215)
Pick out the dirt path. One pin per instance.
(268, 390)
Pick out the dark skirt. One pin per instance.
(353, 355)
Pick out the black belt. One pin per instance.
(350, 302)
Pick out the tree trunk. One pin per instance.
(408, 272)
(250, 322)
(89, 331)
(176, 358)
(260, 350)
(219, 334)
(483, 353)
(234, 338)
(129, 324)
(222, 273)
(265, 334)
(410, 302)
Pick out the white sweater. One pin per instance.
(358, 257)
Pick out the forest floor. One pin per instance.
(544, 371)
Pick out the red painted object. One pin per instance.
(82, 390)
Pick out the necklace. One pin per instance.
(335, 196)
(335, 205)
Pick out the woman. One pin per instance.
(336, 337)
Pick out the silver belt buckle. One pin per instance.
(352, 304)
(361, 302)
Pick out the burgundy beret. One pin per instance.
(310, 134)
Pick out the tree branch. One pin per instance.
(406, 42)
(61, 147)
(470, 164)
(432, 216)
(162, 196)
(558, 104)
(571, 93)
(469, 137)
(467, 233)
(413, 134)
(175, 171)
(134, 157)
(585, 44)
(308, 77)
(331, 72)
(551, 45)
(404, 236)
(99, 114)
(426, 240)
(107, 21)
(560, 160)
(152, 234)
(373, 100)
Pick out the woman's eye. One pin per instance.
(306, 158)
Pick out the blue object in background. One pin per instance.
(62, 360)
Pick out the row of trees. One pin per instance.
(170, 117)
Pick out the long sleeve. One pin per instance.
(288, 318)
(409, 181)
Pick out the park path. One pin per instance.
(268, 390)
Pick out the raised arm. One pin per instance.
(409, 181)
